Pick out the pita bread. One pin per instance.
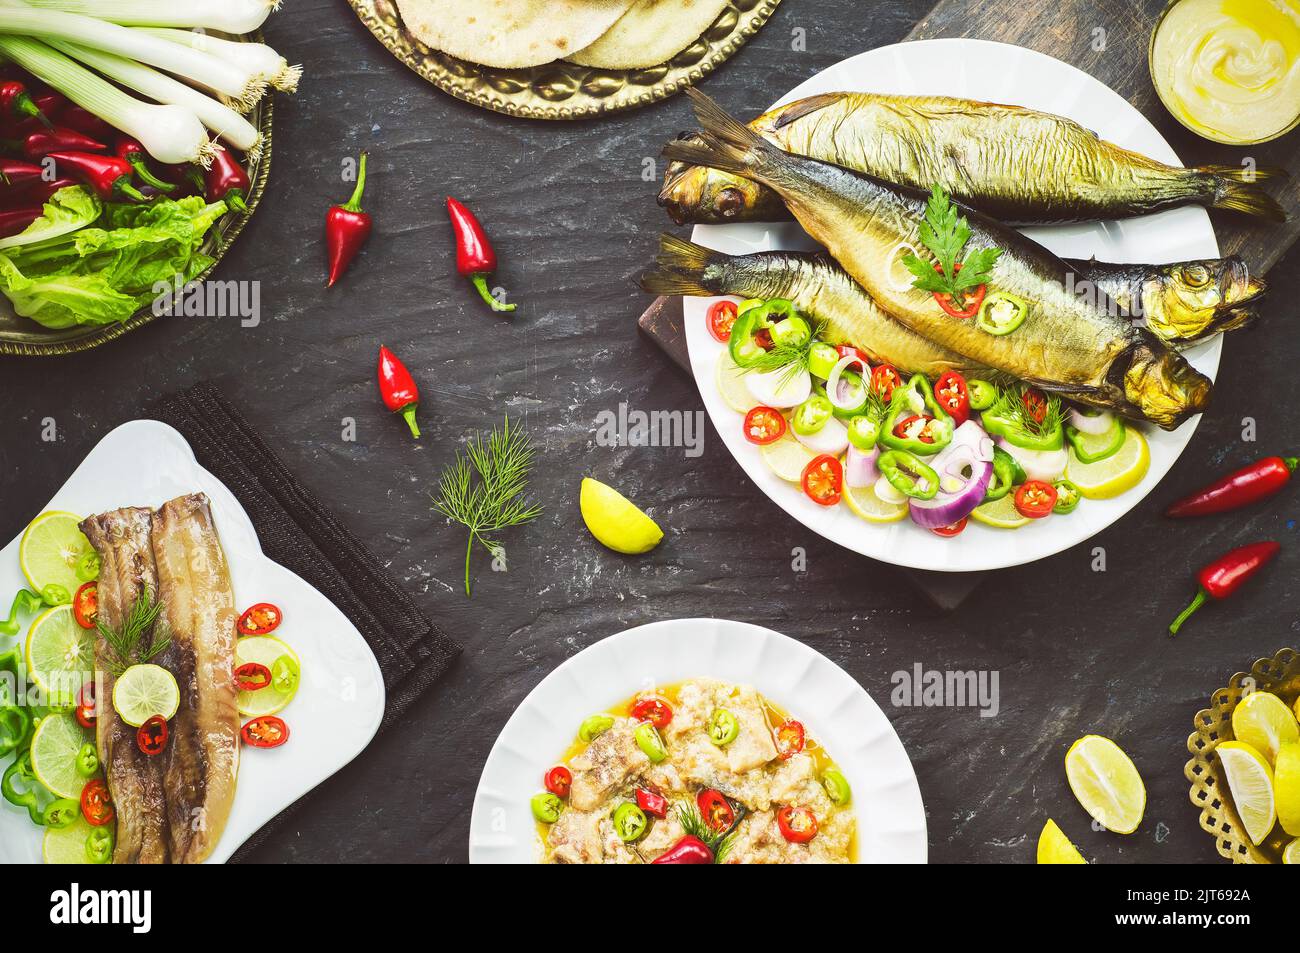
(650, 33)
(510, 34)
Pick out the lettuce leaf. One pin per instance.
(66, 211)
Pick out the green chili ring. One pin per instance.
(837, 786)
(593, 727)
(546, 807)
(629, 822)
(651, 745)
(723, 727)
(906, 474)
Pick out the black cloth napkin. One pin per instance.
(299, 532)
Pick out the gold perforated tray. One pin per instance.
(565, 90)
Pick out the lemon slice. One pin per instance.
(1055, 848)
(67, 845)
(143, 691)
(1106, 783)
(51, 549)
(787, 457)
(1263, 721)
(1117, 474)
(55, 746)
(60, 654)
(615, 521)
(1291, 853)
(1251, 782)
(1286, 787)
(1001, 513)
(731, 385)
(863, 501)
(265, 650)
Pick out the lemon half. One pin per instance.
(615, 521)
(1107, 783)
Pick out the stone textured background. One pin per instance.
(1077, 651)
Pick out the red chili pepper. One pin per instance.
(789, 739)
(86, 711)
(227, 181)
(715, 809)
(34, 194)
(972, 298)
(688, 850)
(15, 220)
(96, 805)
(59, 139)
(654, 710)
(798, 825)
(85, 122)
(151, 737)
(651, 803)
(85, 605)
(558, 780)
(475, 258)
(252, 677)
(951, 393)
(108, 176)
(346, 229)
(265, 732)
(260, 619)
(137, 156)
(884, 378)
(1225, 576)
(397, 388)
(17, 104)
(720, 318)
(1245, 486)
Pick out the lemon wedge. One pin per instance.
(1055, 848)
(1107, 783)
(615, 521)
(1114, 475)
(1286, 787)
(1263, 721)
(1250, 780)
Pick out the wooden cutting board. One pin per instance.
(1109, 40)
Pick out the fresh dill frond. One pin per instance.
(485, 488)
(793, 358)
(720, 842)
(1011, 405)
(142, 619)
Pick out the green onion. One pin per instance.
(229, 16)
(171, 133)
(260, 60)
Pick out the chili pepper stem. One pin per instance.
(148, 178)
(354, 204)
(480, 282)
(236, 202)
(1183, 616)
(132, 192)
(408, 413)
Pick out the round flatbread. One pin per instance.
(510, 34)
(650, 33)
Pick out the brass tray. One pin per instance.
(1279, 675)
(21, 336)
(563, 90)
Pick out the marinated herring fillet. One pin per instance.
(1015, 164)
(201, 762)
(1065, 344)
(127, 571)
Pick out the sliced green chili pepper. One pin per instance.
(546, 807)
(791, 331)
(25, 601)
(285, 673)
(593, 727)
(87, 761)
(982, 394)
(916, 398)
(1078, 441)
(1004, 475)
(99, 845)
(61, 813)
(908, 475)
(55, 595)
(747, 305)
(15, 724)
(822, 359)
(1001, 313)
(629, 822)
(648, 740)
(723, 727)
(837, 786)
(864, 432)
(1067, 496)
(88, 566)
(811, 416)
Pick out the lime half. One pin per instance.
(67, 845)
(266, 650)
(51, 550)
(55, 746)
(144, 691)
(60, 654)
(615, 520)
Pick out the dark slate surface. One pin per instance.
(1077, 651)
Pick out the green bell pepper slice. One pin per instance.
(1067, 496)
(1005, 468)
(745, 351)
(916, 398)
(15, 728)
(908, 475)
(593, 727)
(864, 432)
(25, 601)
(1000, 421)
(1001, 313)
(21, 771)
(629, 822)
(982, 394)
(1079, 442)
(651, 745)
(723, 727)
(546, 807)
(837, 786)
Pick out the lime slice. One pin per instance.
(1106, 783)
(1055, 848)
(1116, 474)
(731, 385)
(55, 746)
(60, 654)
(1251, 782)
(1291, 853)
(1000, 513)
(1263, 721)
(51, 549)
(1286, 787)
(864, 502)
(615, 521)
(787, 457)
(67, 845)
(143, 691)
(264, 650)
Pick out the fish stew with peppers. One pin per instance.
(717, 782)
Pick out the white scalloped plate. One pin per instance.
(836, 709)
(996, 72)
(340, 699)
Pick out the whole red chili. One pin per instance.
(475, 258)
(397, 388)
(15, 220)
(151, 737)
(688, 850)
(347, 228)
(84, 122)
(17, 104)
(226, 181)
(108, 176)
(1248, 485)
(16, 174)
(43, 142)
(136, 154)
(37, 194)
(1225, 576)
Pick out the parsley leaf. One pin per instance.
(945, 233)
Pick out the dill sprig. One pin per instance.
(720, 842)
(502, 460)
(1012, 406)
(127, 642)
(793, 358)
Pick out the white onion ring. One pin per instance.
(1096, 424)
(833, 380)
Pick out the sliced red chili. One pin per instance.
(1035, 403)
(924, 433)
(952, 529)
(972, 297)
(265, 732)
(763, 338)
(848, 350)
(951, 393)
(260, 619)
(96, 805)
(789, 739)
(721, 318)
(798, 825)
(85, 605)
(559, 780)
(823, 480)
(86, 712)
(716, 810)
(884, 379)
(1035, 499)
(151, 737)
(654, 710)
(252, 677)
(651, 803)
(764, 425)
